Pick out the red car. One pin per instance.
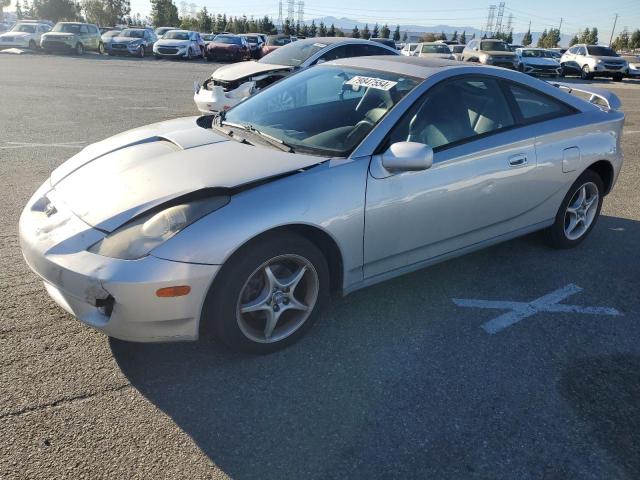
(274, 42)
(228, 47)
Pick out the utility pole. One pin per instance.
(615, 20)
(560, 27)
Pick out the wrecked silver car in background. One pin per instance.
(231, 84)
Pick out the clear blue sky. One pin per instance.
(576, 14)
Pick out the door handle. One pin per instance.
(517, 160)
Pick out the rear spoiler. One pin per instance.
(597, 95)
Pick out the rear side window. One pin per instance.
(536, 106)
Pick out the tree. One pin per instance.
(267, 26)
(322, 30)
(585, 36)
(635, 39)
(304, 30)
(3, 4)
(404, 36)
(526, 39)
(454, 37)
(621, 42)
(355, 33)
(164, 13)
(574, 40)
(55, 10)
(366, 34)
(593, 39)
(442, 36)
(297, 29)
(313, 30)
(463, 37)
(106, 12)
(286, 28)
(332, 31)
(339, 32)
(509, 38)
(428, 37)
(204, 21)
(396, 34)
(18, 10)
(376, 31)
(542, 39)
(384, 31)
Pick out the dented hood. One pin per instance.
(112, 181)
(237, 71)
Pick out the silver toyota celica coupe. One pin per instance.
(242, 224)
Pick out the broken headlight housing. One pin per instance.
(138, 237)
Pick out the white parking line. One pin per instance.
(13, 145)
(630, 132)
(522, 310)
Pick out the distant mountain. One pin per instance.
(414, 32)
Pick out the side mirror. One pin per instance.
(196, 86)
(320, 61)
(407, 157)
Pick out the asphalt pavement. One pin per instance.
(395, 381)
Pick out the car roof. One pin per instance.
(419, 67)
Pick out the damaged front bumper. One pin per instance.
(117, 297)
(213, 98)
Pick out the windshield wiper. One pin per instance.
(276, 142)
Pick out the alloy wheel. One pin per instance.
(277, 298)
(581, 211)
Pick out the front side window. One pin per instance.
(325, 110)
(132, 33)
(536, 106)
(84, 29)
(67, 28)
(599, 51)
(454, 111)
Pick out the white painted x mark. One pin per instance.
(521, 310)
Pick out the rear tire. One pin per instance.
(101, 48)
(79, 50)
(617, 78)
(32, 45)
(585, 73)
(560, 234)
(243, 282)
(142, 52)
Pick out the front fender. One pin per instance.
(329, 197)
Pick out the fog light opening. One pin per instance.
(106, 305)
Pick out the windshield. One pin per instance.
(494, 45)
(251, 39)
(208, 37)
(67, 28)
(111, 33)
(293, 54)
(132, 33)
(21, 27)
(278, 41)
(437, 48)
(229, 39)
(601, 51)
(537, 53)
(326, 110)
(176, 35)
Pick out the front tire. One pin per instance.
(578, 212)
(268, 294)
(101, 48)
(617, 78)
(79, 49)
(32, 45)
(585, 73)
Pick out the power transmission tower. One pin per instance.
(291, 5)
(509, 22)
(300, 13)
(280, 15)
(490, 18)
(499, 18)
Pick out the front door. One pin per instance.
(482, 182)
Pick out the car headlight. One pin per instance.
(137, 238)
(599, 62)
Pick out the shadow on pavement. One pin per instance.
(394, 381)
(604, 391)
